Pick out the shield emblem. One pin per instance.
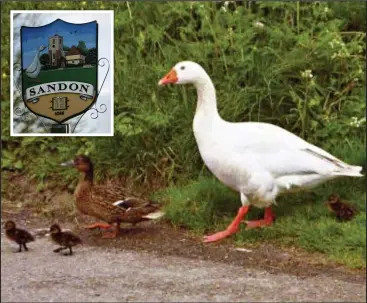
(59, 68)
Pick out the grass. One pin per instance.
(205, 205)
(303, 220)
(87, 75)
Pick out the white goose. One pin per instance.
(258, 160)
(34, 68)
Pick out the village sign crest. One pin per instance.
(59, 69)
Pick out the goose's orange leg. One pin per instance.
(231, 229)
(98, 225)
(269, 217)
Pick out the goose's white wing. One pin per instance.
(282, 153)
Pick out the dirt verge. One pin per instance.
(40, 209)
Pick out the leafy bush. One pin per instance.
(298, 65)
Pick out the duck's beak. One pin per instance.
(171, 77)
(69, 163)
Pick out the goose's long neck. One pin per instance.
(207, 102)
(37, 54)
(206, 118)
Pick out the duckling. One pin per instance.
(343, 210)
(17, 235)
(65, 239)
(106, 203)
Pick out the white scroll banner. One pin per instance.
(86, 90)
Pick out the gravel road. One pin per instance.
(98, 274)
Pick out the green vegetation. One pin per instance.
(88, 75)
(295, 64)
(206, 206)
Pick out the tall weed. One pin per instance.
(300, 66)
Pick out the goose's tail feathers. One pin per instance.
(350, 171)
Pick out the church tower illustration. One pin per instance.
(56, 51)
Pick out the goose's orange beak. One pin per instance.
(171, 77)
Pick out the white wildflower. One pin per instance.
(326, 9)
(259, 24)
(226, 3)
(343, 53)
(334, 43)
(307, 74)
(355, 122)
(224, 9)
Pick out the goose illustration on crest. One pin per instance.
(34, 69)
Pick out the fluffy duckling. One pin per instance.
(65, 239)
(17, 235)
(107, 203)
(343, 210)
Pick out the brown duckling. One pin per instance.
(17, 235)
(107, 203)
(343, 210)
(65, 239)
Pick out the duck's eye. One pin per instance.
(182, 67)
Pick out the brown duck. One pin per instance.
(17, 235)
(343, 210)
(106, 203)
(65, 239)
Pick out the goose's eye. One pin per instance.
(182, 67)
